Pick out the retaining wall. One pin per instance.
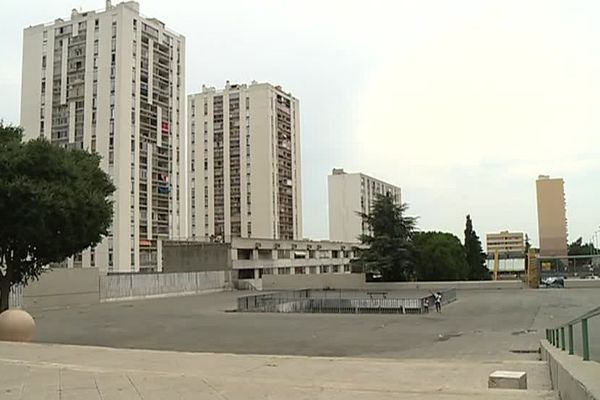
(62, 287)
(572, 377)
(358, 281)
(573, 283)
(140, 286)
(314, 281)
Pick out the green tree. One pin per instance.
(578, 248)
(54, 203)
(527, 248)
(439, 256)
(474, 253)
(389, 246)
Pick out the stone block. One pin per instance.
(507, 380)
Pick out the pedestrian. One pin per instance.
(426, 304)
(438, 301)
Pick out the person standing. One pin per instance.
(438, 301)
(426, 304)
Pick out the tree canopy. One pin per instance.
(390, 249)
(439, 256)
(474, 253)
(54, 203)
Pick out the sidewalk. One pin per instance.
(48, 372)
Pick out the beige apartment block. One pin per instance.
(113, 82)
(349, 195)
(552, 219)
(244, 163)
(505, 242)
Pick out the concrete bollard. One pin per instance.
(16, 326)
(507, 380)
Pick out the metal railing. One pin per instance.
(564, 339)
(337, 301)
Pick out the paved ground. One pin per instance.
(436, 356)
(59, 372)
(481, 325)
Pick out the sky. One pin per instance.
(462, 104)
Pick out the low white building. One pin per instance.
(350, 194)
(250, 259)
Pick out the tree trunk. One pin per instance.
(4, 294)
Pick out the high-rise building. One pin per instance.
(505, 242)
(244, 163)
(113, 82)
(349, 195)
(552, 219)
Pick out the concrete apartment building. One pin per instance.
(511, 251)
(113, 82)
(552, 219)
(250, 259)
(244, 163)
(505, 242)
(349, 194)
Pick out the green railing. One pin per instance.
(564, 338)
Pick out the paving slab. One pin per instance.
(86, 372)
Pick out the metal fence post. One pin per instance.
(571, 349)
(547, 334)
(585, 339)
(562, 338)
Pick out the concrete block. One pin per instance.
(507, 380)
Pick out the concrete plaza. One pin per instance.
(481, 325)
(209, 353)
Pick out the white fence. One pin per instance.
(15, 298)
(130, 286)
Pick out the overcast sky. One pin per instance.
(460, 103)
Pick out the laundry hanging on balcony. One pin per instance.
(163, 184)
(165, 128)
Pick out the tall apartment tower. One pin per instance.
(552, 219)
(244, 163)
(113, 82)
(350, 194)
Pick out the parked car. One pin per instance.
(554, 281)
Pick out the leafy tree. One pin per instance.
(439, 257)
(578, 248)
(474, 253)
(53, 202)
(390, 250)
(527, 248)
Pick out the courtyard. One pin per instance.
(480, 325)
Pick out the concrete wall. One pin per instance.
(357, 281)
(141, 286)
(15, 298)
(572, 283)
(63, 287)
(317, 281)
(195, 256)
(459, 285)
(571, 377)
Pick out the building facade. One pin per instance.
(113, 82)
(350, 194)
(250, 259)
(244, 163)
(505, 242)
(552, 218)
